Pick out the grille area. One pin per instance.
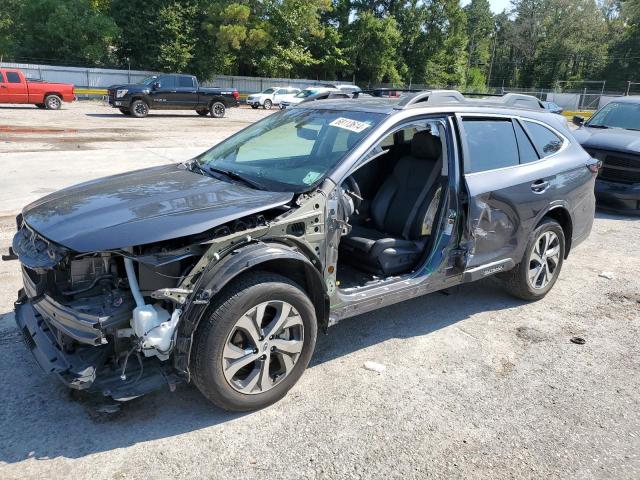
(618, 167)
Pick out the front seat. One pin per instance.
(391, 241)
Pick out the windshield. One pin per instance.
(306, 93)
(617, 115)
(291, 150)
(148, 80)
(269, 90)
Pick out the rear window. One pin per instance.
(492, 144)
(546, 142)
(185, 82)
(526, 149)
(13, 77)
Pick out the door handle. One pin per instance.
(3, 86)
(540, 186)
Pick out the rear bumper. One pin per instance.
(618, 197)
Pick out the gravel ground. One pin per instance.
(476, 385)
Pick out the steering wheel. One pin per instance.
(352, 189)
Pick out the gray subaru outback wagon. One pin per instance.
(222, 270)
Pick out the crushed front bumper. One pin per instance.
(618, 197)
(87, 367)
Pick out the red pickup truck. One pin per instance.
(15, 88)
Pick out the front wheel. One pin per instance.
(268, 104)
(139, 109)
(217, 109)
(538, 271)
(125, 111)
(202, 113)
(40, 105)
(254, 107)
(52, 102)
(254, 342)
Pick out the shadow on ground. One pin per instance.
(42, 419)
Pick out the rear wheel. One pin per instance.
(139, 109)
(52, 102)
(268, 104)
(217, 109)
(255, 343)
(538, 271)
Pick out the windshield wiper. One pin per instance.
(597, 126)
(234, 176)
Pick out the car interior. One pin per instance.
(396, 198)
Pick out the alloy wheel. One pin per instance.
(263, 347)
(53, 103)
(141, 108)
(544, 260)
(218, 110)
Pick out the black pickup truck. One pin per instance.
(172, 92)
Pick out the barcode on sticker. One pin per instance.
(348, 124)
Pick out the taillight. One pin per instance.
(595, 167)
(236, 95)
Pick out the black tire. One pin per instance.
(40, 105)
(217, 109)
(221, 317)
(139, 108)
(125, 111)
(202, 113)
(267, 104)
(52, 102)
(517, 281)
(255, 107)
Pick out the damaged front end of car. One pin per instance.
(120, 322)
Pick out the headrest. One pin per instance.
(425, 145)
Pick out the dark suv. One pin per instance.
(222, 270)
(612, 135)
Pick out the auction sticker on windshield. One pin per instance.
(348, 124)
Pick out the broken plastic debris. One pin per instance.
(375, 367)
(607, 275)
(578, 340)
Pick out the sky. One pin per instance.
(497, 6)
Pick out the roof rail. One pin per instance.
(437, 97)
(431, 97)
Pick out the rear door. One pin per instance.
(509, 181)
(13, 89)
(186, 95)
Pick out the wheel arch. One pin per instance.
(57, 94)
(271, 257)
(561, 214)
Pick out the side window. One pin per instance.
(546, 142)
(527, 152)
(13, 77)
(185, 81)
(492, 144)
(167, 82)
(1, 77)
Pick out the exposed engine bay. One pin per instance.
(108, 322)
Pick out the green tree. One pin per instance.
(373, 49)
(479, 31)
(65, 31)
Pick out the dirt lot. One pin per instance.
(477, 385)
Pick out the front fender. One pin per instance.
(275, 257)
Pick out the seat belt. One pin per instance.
(437, 169)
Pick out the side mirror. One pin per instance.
(307, 133)
(578, 120)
